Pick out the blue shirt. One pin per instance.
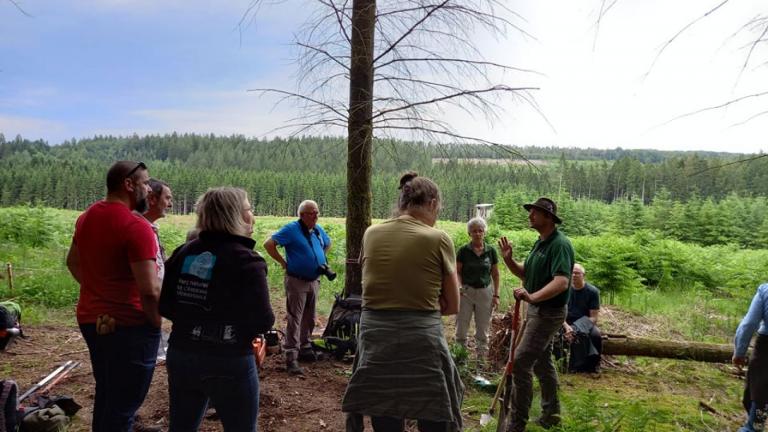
(757, 315)
(302, 261)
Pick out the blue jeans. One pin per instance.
(755, 420)
(231, 384)
(123, 363)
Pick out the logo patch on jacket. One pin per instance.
(199, 265)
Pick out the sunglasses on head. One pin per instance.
(141, 165)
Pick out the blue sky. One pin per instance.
(78, 68)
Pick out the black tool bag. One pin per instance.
(10, 322)
(340, 335)
(8, 406)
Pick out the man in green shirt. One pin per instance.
(546, 276)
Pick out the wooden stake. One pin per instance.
(9, 269)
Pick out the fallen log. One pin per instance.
(659, 348)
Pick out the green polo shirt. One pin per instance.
(549, 258)
(476, 269)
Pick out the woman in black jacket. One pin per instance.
(215, 293)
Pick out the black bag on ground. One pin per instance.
(10, 322)
(340, 335)
(9, 413)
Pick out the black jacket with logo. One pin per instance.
(216, 294)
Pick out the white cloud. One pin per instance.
(30, 127)
(29, 97)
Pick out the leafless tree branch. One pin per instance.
(460, 94)
(461, 61)
(601, 14)
(751, 50)
(750, 118)
(20, 9)
(760, 156)
(680, 32)
(715, 107)
(410, 30)
(299, 96)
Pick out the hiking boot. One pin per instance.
(140, 427)
(512, 428)
(292, 365)
(548, 422)
(293, 368)
(309, 355)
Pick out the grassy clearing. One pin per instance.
(637, 395)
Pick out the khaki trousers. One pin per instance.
(477, 302)
(300, 300)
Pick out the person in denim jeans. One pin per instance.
(112, 257)
(546, 275)
(215, 293)
(756, 386)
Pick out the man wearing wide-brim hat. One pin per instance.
(546, 274)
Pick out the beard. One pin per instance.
(141, 205)
(141, 200)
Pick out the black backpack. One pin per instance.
(9, 420)
(10, 318)
(340, 335)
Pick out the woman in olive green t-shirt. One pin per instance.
(403, 369)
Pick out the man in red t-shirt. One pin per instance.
(112, 257)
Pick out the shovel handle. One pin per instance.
(515, 339)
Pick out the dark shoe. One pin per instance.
(549, 422)
(309, 355)
(292, 367)
(140, 427)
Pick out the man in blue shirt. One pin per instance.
(305, 243)
(756, 390)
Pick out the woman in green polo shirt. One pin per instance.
(477, 267)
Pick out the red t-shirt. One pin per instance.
(109, 237)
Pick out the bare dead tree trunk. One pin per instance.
(426, 62)
(360, 138)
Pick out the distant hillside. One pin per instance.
(281, 172)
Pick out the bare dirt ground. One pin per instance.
(288, 403)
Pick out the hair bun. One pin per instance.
(410, 175)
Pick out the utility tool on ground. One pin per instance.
(506, 386)
(49, 381)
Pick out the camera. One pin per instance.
(326, 271)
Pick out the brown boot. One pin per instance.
(292, 364)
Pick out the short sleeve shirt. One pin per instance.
(476, 269)
(404, 263)
(549, 258)
(582, 301)
(108, 238)
(302, 259)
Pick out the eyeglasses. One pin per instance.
(141, 165)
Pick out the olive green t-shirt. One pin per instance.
(549, 258)
(404, 262)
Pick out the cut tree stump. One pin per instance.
(659, 348)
